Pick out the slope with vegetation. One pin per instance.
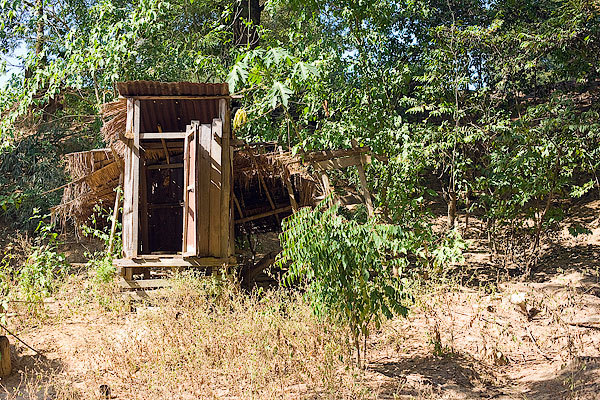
(486, 112)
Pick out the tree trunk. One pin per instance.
(247, 19)
(538, 232)
(39, 39)
(451, 209)
(467, 212)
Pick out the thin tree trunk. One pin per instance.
(467, 212)
(538, 233)
(451, 209)
(246, 21)
(39, 14)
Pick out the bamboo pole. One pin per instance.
(115, 216)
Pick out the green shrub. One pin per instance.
(353, 271)
(37, 278)
(356, 273)
(102, 262)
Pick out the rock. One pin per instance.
(520, 299)
(105, 392)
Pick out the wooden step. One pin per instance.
(125, 284)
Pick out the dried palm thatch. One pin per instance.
(115, 117)
(95, 175)
(248, 163)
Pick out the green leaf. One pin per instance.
(279, 93)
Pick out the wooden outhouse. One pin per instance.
(177, 175)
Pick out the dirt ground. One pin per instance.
(488, 338)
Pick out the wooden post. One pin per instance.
(5, 364)
(326, 184)
(128, 184)
(144, 206)
(290, 189)
(135, 169)
(363, 182)
(262, 181)
(115, 217)
(225, 177)
(127, 273)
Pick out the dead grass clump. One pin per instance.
(206, 339)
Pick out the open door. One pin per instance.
(190, 190)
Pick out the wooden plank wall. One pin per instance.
(128, 244)
(190, 187)
(203, 184)
(213, 222)
(214, 190)
(226, 239)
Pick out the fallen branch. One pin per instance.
(537, 345)
(585, 324)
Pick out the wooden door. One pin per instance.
(190, 191)
(210, 182)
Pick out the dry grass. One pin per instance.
(206, 339)
(203, 339)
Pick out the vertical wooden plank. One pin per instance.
(115, 214)
(363, 182)
(290, 189)
(145, 245)
(197, 160)
(365, 189)
(129, 122)
(190, 240)
(128, 200)
(326, 184)
(128, 184)
(204, 168)
(214, 241)
(231, 195)
(186, 166)
(225, 135)
(135, 170)
(5, 363)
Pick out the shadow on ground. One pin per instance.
(578, 380)
(584, 258)
(418, 376)
(30, 378)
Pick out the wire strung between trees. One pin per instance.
(19, 339)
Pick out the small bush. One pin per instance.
(102, 262)
(37, 278)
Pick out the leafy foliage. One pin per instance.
(45, 265)
(492, 106)
(99, 227)
(354, 272)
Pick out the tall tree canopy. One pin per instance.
(495, 100)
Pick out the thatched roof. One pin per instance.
(95, 175)
(115, 120)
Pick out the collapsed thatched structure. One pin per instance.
(95, 178)
(95, 175)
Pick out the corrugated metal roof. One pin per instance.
(152, 88)
(174, 115)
